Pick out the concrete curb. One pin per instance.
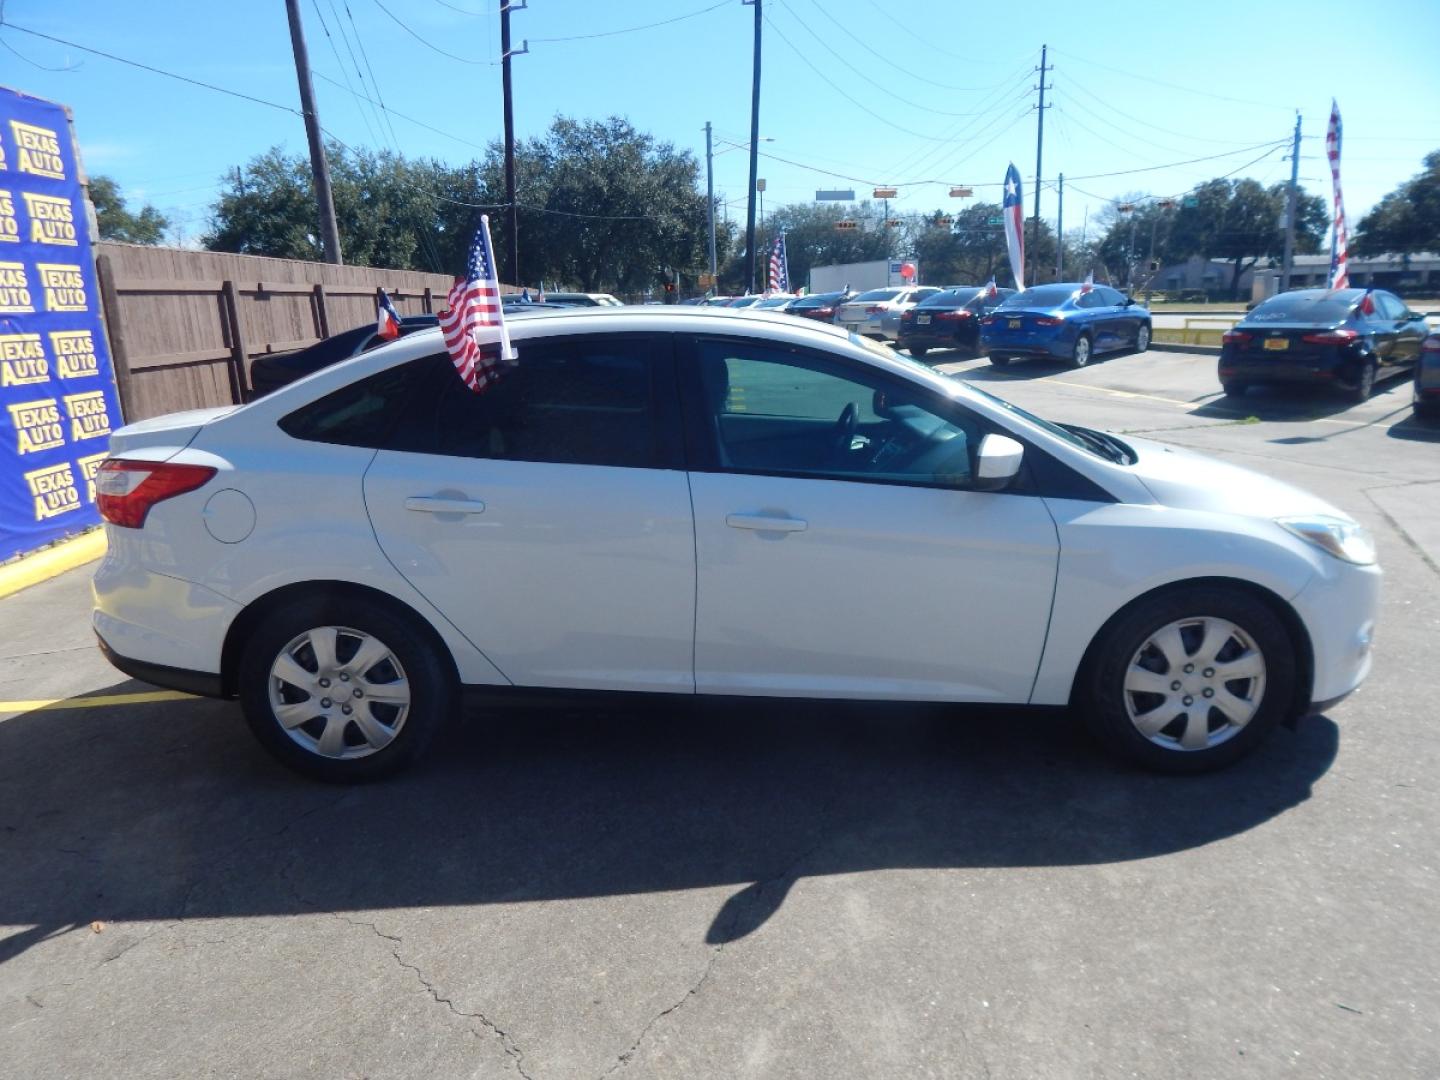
(51, 562)
(1174, 346)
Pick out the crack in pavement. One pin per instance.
(507, 1043)
(788, 874)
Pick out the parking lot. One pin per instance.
(807, 890)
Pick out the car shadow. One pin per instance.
(1016, 369)
(170, 811)
(1416, 429)
(1288, 404)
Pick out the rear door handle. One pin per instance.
(430, 504)
(766, 523)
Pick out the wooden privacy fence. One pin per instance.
(185, 326)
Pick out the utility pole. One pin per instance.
(512, 238)
(1039, 148)
(1291, 198)
(710, 199)
(329, 230)
(1060, 233)
(754, 157)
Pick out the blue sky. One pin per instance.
(946, 86)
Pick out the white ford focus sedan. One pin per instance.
(694, 501)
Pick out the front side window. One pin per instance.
(587, 401)
(775, 409)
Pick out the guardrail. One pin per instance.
(1203, 330)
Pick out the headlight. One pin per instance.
(1343, 539)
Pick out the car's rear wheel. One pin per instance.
(1000, 361)
(1364, 383)
(1190, 680)
(1235, 389)
(1142, 337)
(918, 351)
(1081, 352)
(343, 690)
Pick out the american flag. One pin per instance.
(1339, 247)
(779, 266)
(474, 304)
(990, 290)
(1088, 283)
(1013, 211)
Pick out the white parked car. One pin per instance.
(685, 501)
(877, 313)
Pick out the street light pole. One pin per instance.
(710, 198)
(754, 157)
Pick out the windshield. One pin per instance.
(1305, 307)
(1066, 433)
(877, 294)
(1041, 296)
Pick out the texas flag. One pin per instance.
(1088, 283)
(388, 325)
(1012, 209)
(990, 290)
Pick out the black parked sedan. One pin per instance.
(269, 373)
(1330, 337)
(948, 320)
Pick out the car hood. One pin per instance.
(1184, 479)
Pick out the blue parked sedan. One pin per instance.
(1065, 322)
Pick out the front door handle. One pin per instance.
(432, 504)
(766, 523)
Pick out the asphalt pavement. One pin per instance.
(780, 891)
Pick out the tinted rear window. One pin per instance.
(950, 298)
(877, 294)
(1305, 307)
(818, 300)
(1041, 296)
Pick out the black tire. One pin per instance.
(1081, 352)
(918, 351)
(1001, 361)
(1364, 382)
(1235, 389)
(1426, 410)
(1103, 696)
(428, 673)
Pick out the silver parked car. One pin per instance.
(877, 313)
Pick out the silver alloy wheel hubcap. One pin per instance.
(339, 693)
(1142, 341)
(1194, 684)
(1082, 352)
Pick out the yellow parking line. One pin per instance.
(1190, 405)
(144, 697)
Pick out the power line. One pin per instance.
(341, 64)
(154, 70)
(1144, 140)
(1172, 86)
(1069, 118)
(36, 63)
(922, 156)
(859, 105)
(423, 41)
(878, 85)
(631, 29)
(396, 112)
(1071, 83)
(907, 71)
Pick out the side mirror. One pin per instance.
(997, 462)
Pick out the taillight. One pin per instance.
(825, 312)
(1430, 352)
(989, 320)
(907, 316)
(875, 309)
(126, 490)
(1047, 320)
(953, 316)
(1331, 337)
(1236, 337)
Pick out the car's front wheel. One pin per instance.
(1190, 680)
(1000, 361)
(1080, 353)
(343, 689)
(918, 351)
(1142, 337)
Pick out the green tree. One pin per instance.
(1407, 220)
(118, 222)
(812, 238)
